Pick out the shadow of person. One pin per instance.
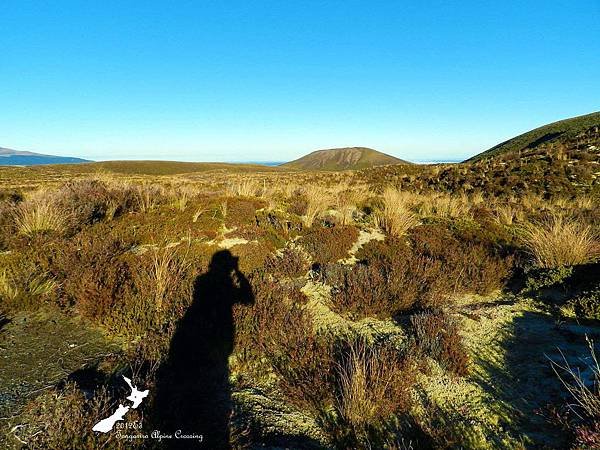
(193, 393)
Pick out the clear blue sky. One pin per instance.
(272, 80)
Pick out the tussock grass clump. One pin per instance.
(374, 383)
(25, 280)
(246, 187)
(251, 187)
(149, 196)
(395, 216)
(561, 241)
(222, 209)
(89, 201)
(40, 286)
(508, 214)
(166, 269)
(532, 201)
(317, 201)
(444, 205)
(345, 204)
(83, 202)
(346, 199)
(181, 196)
(585, 202)
(8, 290)
(159, 291)
(374, 398)
(38, 215)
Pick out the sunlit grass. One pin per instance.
(561, 241)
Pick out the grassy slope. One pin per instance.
(174, 167)
(135, 168)
(556, 132)
(342, 159)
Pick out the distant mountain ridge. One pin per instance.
(9, 157)
(343, 158)
(567, 131)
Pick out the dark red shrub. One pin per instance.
(329, 244)
(290, 263)
(91, 272)
(436, 334)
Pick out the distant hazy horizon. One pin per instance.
(171, 157)
(237, 80)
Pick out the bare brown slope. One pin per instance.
(342, 159)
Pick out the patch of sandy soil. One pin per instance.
(228, 243)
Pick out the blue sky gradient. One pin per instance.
(273, 80)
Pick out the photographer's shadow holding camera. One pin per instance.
(193, 392)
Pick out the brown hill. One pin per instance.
(342, 159)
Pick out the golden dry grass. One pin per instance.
(317, 202)
(148, 196)
(345, 205)
(561, 241)
(450, 207)
(167, 267)
(395, 217)
(585, 202)
(223, 209)
(41, 285)
(181, 196)
(39, 214)
(508, 214)
(33, 286)
(245, 187)
(7, 290)
(532, 201)
(371, 386)
(476, 198)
